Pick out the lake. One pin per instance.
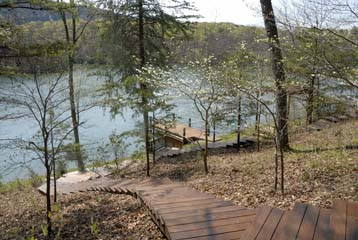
(97, 127)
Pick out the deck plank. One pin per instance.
(187, 204)
(270, 225)
(352, 221)
(222, 236)
(207, 206)
(339, 219)
(322, 231)
(212, 230)
(309, 223)
(207, 224)
(197, 212)
(260, 219)
(290, 223)
(209, 216)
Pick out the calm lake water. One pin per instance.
(99, 124)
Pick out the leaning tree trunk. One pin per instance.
(278, 71)
(71, 41)
(142, 85)
(75, 124)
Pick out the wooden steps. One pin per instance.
(327, 121)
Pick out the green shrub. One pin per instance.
(35, 179)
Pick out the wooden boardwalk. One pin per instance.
(181, 212)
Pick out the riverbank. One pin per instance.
(319, 168)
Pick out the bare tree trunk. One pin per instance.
(206, 142)
(238, 126)
(143, 86)
(214, 131)
(153, 145)
(278, 71)
(257, 125)
(54, 169)
(310, 101)
(277, 143)
(48, 190)
(54, 182)
(75, 124)
(276, 162)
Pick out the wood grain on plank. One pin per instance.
(208, 217)
(209, 231)
(309, 223)
(260, 219)
(270, 225)
(207, 224)
(322, 231)
(203, 211)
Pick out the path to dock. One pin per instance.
(181, 212)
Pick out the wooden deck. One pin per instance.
(181, 212)
(306, 222)
(192, 134)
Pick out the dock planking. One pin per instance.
(306, 222)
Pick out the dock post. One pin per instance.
(165, 136)
(184, 133)
(153, 133)
(189, 122)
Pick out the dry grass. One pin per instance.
(80, 216)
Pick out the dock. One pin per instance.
(183, 133)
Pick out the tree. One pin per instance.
(72, 37)
(278, 71)
(200, 83)
(117, 142)
(238, 68)
(305, 48)
(43, 102)
(139, 30)
(345, 13)
(245, 87)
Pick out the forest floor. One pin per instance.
(320, 167)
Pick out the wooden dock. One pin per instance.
(182, 131)
(181, 212)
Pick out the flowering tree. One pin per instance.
(200, 82)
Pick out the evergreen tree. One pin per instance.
(138, 32)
